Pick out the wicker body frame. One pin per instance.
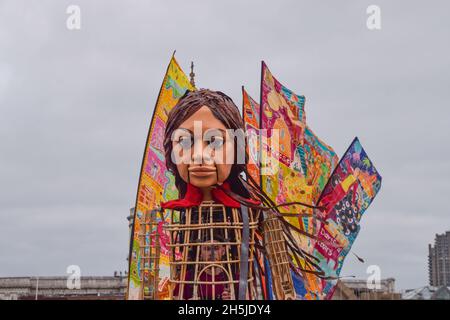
(278, 257)
(150, 249)
(209, 225)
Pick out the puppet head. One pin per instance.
(204, 142)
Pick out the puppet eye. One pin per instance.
(185, 142)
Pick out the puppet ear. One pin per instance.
(156, 182)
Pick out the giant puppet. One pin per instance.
(242, 207)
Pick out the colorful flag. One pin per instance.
(304, 161)
(298, 163)
(351, 189)
(156, 184)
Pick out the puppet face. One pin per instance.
(213, 252)
(203, 149)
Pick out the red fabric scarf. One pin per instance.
(194, 197)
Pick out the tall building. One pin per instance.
(439, 260)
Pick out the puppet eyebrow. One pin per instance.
(185, 129)
(192, 133)
(218, 129)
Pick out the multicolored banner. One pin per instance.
(349, 192)
(304, 163)
(156, 184)
(305, 172)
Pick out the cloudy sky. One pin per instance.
(75, 108)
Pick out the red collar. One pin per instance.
(194, 197)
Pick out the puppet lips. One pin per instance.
(202, 171)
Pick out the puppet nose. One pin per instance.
(199, 154)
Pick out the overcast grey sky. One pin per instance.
(75, 109)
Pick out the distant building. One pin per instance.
(342, 292)
(439, 261)
(357, 289)
(56, 288)
(427, 293)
